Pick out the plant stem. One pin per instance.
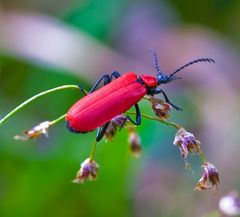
(202, 156)
(25, 103)
(58, 119)
(93, 150)
(176, 126)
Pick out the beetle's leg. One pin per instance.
(101, 131)
(82, 90)
(157, 91)
(138, 117)
(106, 79)
(115, 74)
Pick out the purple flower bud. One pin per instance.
(119, 120)
(88, 169)
(115, 123)
(210, 175)
(186, 142)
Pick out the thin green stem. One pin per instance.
(168, 123)
(176, 126)
(25, 103)
(202, 156)
(92, 153)
(58, 119)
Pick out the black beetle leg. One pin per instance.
(106, 79)
(157, 91)
(138, 117)
(101, 131)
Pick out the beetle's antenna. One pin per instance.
(209, 60)
(156, 65)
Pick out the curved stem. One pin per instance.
(168, 123)
(25, 103)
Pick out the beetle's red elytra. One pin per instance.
(98, 108)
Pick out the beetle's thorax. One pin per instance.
(149, 80)
(150, 83)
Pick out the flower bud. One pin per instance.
(135, 142)
(186, 142)
(160, 108)
(40, 129)
(115, 123)
(210, 175)
(111, 130)
(88, 169)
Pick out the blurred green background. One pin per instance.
(44, 44)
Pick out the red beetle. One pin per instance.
(97, 108)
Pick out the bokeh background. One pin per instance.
(44, 44)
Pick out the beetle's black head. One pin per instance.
(163, 78)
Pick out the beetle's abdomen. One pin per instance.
(99, 107)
